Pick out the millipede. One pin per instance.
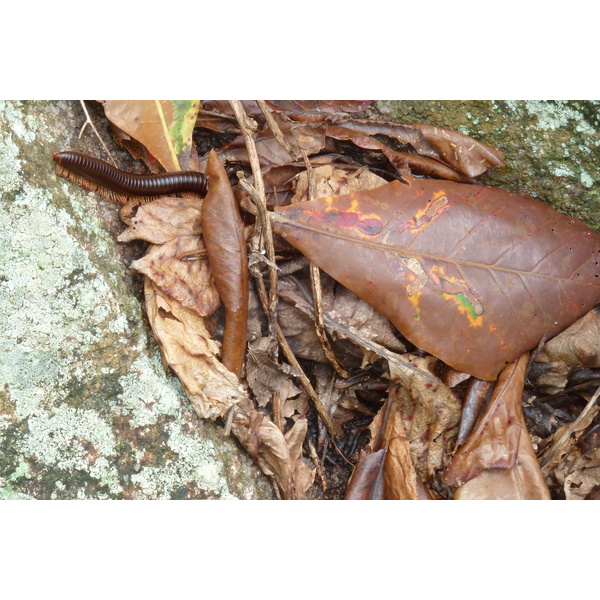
(98, 175)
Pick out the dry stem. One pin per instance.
(257, 193)
(317, 290)
(88, 121)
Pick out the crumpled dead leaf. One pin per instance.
(265, 377)
(498, 461)
(342, 306)
(187, 347)
(400, 479)
(494, 442)
(164, 219)
(461, 152)
(188, 281)
(278, 455)
(333, 180)
(576, 347)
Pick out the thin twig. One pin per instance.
(277, 411)
(257, 193)
(317, 463)
(274, 127)
(317, 290)
(293, 361)
(88, 121)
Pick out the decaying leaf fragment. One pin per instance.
(400, 479)
(462, 153)
(473, 275)
(187, 281)
(387, 471)
(165, 219)
(278, 455)
(430, 414)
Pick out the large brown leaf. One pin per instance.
(473, 275)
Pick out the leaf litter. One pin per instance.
(403, 370)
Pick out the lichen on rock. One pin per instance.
(86, 408)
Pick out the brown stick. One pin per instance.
(298, 371)
(317, 290)
(257, 192)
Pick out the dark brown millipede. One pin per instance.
(130, 184)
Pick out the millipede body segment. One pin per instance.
(122, 183)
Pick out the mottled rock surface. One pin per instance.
(86, 408)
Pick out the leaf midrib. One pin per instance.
(423, 255)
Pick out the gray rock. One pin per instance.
(86, 408)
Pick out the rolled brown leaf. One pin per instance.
(223, 232)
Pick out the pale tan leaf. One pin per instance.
(186, 346)
(576, 347)
(187, 281)
(164, 219)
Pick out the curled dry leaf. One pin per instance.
(278, 456)
(404, 162)
(576, 347)
(164, 127)
(366, 482)
(461, 152)
(223, 231)
(498, 461)
(186, 346)
(475, 399)
(187, 281)
(494, 443)
(473, 275)
(164, 219)
(522, 481)
(387, 431)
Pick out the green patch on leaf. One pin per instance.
(184, 119)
